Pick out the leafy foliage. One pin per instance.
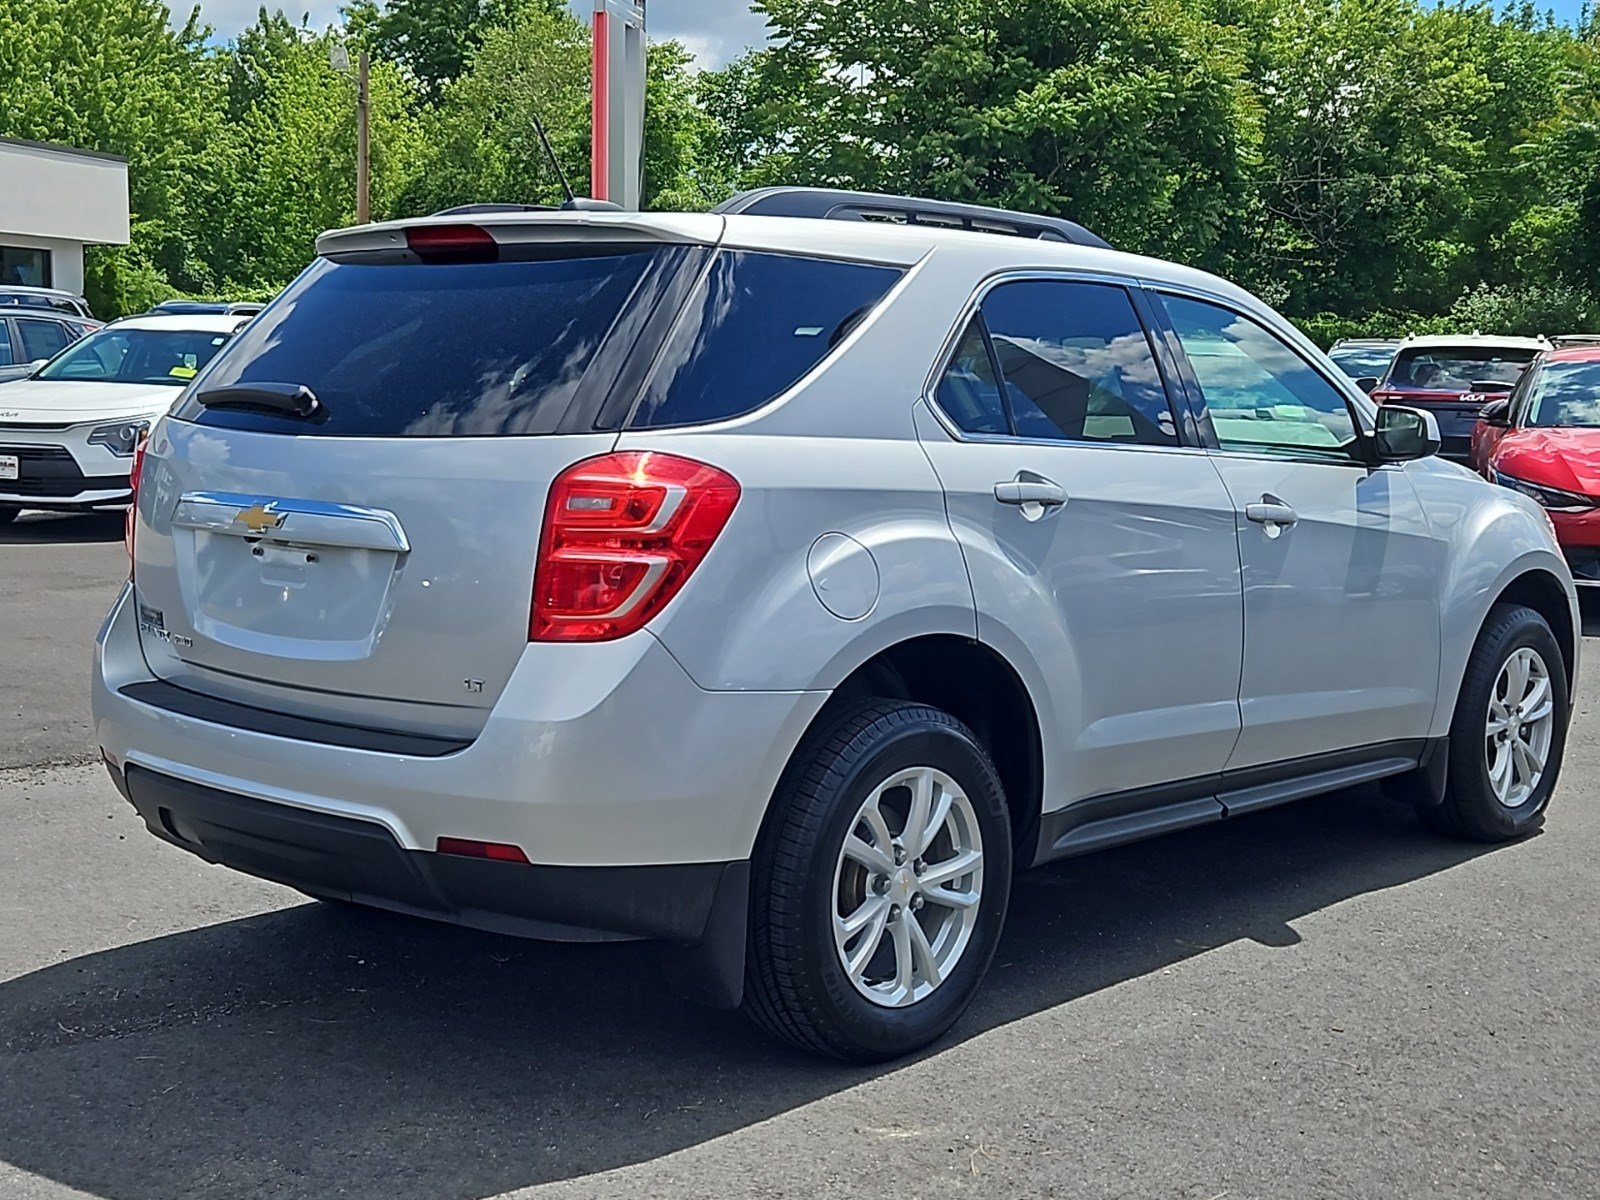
(1367, 165)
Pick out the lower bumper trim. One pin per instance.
(348, 859)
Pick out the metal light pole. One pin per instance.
(339, 60)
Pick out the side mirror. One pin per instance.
(1402, 434)
(1367, 382)
(1498, 387)
(1496, 412)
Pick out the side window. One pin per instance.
(41, 339)
(6, 357)
(1262, 396)
(757, 324)
(1077, 363)
(969, 392)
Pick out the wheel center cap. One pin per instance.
(903, 886)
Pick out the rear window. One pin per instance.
(429, 350)
(504, 348)
(1448, 369)
(756, 325)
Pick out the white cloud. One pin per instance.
(712, 30)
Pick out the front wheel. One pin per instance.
(1508, 732)
(880, 889)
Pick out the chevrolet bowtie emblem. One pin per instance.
(259, 518)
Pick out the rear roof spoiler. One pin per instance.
(829, 204)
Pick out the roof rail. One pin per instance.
(576, 204)
(829, 204)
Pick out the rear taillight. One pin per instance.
(1383, 397)
(622, 533)
(132, 518)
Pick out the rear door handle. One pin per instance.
(1269, 510)
(1034, 489)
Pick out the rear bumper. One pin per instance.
(593, 756)
(346, 859)
(699, 906)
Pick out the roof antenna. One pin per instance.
(571, 200)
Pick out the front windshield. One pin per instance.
(1566, 394)
(1456, 369)
(113, 355)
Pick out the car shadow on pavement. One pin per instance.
(39, 528)
(318, 1051)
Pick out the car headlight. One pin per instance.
(120, 438)
(1552, 498)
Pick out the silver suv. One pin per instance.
(776, 586)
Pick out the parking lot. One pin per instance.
(1317, 1001)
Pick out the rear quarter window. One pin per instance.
(753, 328)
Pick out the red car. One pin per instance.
(1544, 441)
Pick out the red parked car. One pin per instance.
(1544, 441)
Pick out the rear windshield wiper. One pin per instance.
(290, 399)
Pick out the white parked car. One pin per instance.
(775, 587)
(68, 431)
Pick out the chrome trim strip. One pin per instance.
(305, 522)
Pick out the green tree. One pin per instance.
(1131, 118)
(434, 40)
(292, 149)
(112, 75)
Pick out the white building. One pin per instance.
(54, 200)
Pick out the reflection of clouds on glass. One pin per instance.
(1567, 394)
(429, 350)
(1260, 392)
(1077, 363)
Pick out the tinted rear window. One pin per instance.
(429, 351)
(1455, 369)
(755, 326)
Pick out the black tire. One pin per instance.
(1470, 808)
(9, 513)
(795, 986)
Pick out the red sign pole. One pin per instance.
(600, 134)
(617, 143)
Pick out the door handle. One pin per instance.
(1030, 489)
(1270, 511)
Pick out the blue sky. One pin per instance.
(714, 30)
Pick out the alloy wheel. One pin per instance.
(1520, 727)
(907, 887)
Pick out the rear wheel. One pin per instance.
(1508, 733)
(880, 890)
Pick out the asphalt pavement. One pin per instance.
(1318, 1001)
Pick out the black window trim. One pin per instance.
(1189, 441)
(1194, 398)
